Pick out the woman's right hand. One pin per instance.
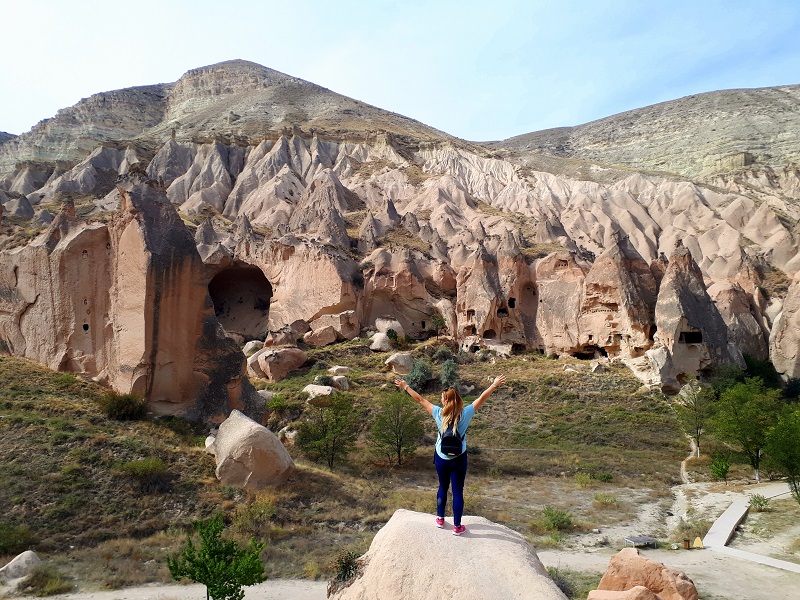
(498, 381)
(400, 383)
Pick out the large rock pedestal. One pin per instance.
(411, 558)
(249, 455)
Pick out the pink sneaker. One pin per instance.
(440, 522)
(459, 529)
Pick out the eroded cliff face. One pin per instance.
(125, 303)
(318, 211)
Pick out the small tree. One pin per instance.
(694, 408)
(438, 323)
(223, 566)
(744, 415)
(449, 375)
(397, 428)
(720, 466)
(420, 374)
(329, 434)
(783, 448)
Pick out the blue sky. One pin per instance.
(478, 70)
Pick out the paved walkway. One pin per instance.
(723, 528)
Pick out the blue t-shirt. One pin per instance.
(466, 416)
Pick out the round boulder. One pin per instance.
(249, 455)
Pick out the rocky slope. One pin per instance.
(313, 211)
(694, 136)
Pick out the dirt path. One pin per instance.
(276, 589)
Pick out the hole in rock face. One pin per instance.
(512, 303)
(690, 337)
(241, 296)
(86, 327)
(489, 334)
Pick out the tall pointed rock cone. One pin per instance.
(619, 297)
(689, 325)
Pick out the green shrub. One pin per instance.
(124, 407)
(392, 335)
(45, 581)
(442, 354)
(320, 365)
(150, 472)
(759, 503)
(584, 480)
(145, 467)
(555, 518)
(602, 476)
(420, 374)
(552, 521)
(14, 538)
(449, 375)
(323, 380)
(605, 499)
(720, 465)
(346, 565)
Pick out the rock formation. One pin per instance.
(318, 215)
(125, 303)
(489, 561)
(628, 571)
(249, 455)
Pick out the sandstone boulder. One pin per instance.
(384, 324)
(339, 370)
(20, 566)
(488, 562)
(249, 455)
(320, 337)
(251, 347)
(380, 343)
(628, 569)
(276, 363)
(400, 362)
(314, 390)
(785, 336)
(638, 592)
(340, 382)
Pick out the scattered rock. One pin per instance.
(380, 343)
(400, 362)
(318, 390)
(251, 347)
(20, 566)
(276, 363)
(339, 370)
(267, 395)
(320, 337)
(249, 455)
(341, 382)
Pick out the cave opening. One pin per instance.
(690, 337)
(489, 334)
(590, 353)
(241, 295)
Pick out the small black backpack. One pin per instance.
(452, 443)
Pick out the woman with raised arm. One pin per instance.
(452, 420)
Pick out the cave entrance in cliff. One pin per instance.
(590, 353)
(241, 296)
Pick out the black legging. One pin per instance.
(455, 471)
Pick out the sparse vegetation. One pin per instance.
(559, 422)
(45, 580)
(124, 407)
